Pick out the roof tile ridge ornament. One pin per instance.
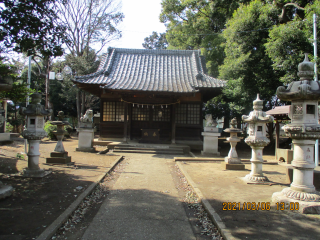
(101, 68)
(305, 88)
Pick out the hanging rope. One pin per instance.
(150, 104)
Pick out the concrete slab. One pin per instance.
(143, 204)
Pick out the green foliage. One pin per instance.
(9, 127)
(155, 41)
(197, 24)
(19, 156)
(30, 26)
(49, 128)
(246, 66)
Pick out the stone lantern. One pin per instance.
(257, 139)
(304, 130)
(232, 161)
(59, 155)
(35, 113)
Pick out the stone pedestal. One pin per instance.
(210, 141)
(86, 136)
(59, 158)
(33, 170)
(256, 174)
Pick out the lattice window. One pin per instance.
(188, 114)
(140, 114)
(193, 114)
(181, 114)
(113, 112)
(161, 114)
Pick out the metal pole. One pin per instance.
(27, 101)
(316, 147)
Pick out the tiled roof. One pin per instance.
(151, 70)
(280, 110)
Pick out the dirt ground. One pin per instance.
(36, 203)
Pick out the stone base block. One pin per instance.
(59, 154)
(82, 149)
(232, 160)
(29, 173)
(232, 166)
(4, 136)
(301, 206)
(59, 158)
(255, 179)
(5, 190)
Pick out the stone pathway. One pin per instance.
(143, 204)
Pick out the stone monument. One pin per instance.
(210, 137)
(304, 130)
(86, 133)
(5, 85)
(59, 155)
(232, 161)
(257, 140)
(34, 132)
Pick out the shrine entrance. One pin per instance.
(151, 123)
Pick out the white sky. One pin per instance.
(141, 19)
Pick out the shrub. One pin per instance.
(9, 127)
(49, 128)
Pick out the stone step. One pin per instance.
(154, 150)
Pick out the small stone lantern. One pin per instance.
(257, 139)
(304, 130)
(232, 161)
(35, 113)
(59, 155)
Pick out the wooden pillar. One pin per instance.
(129, 122)
(125, 125)
(173, 124)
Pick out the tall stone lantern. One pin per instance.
(35, 113)
(304, 130)
(257, 140)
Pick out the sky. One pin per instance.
(141, 19)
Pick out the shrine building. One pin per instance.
(151, 95)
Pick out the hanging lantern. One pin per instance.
(160, 114)
(133, 104)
